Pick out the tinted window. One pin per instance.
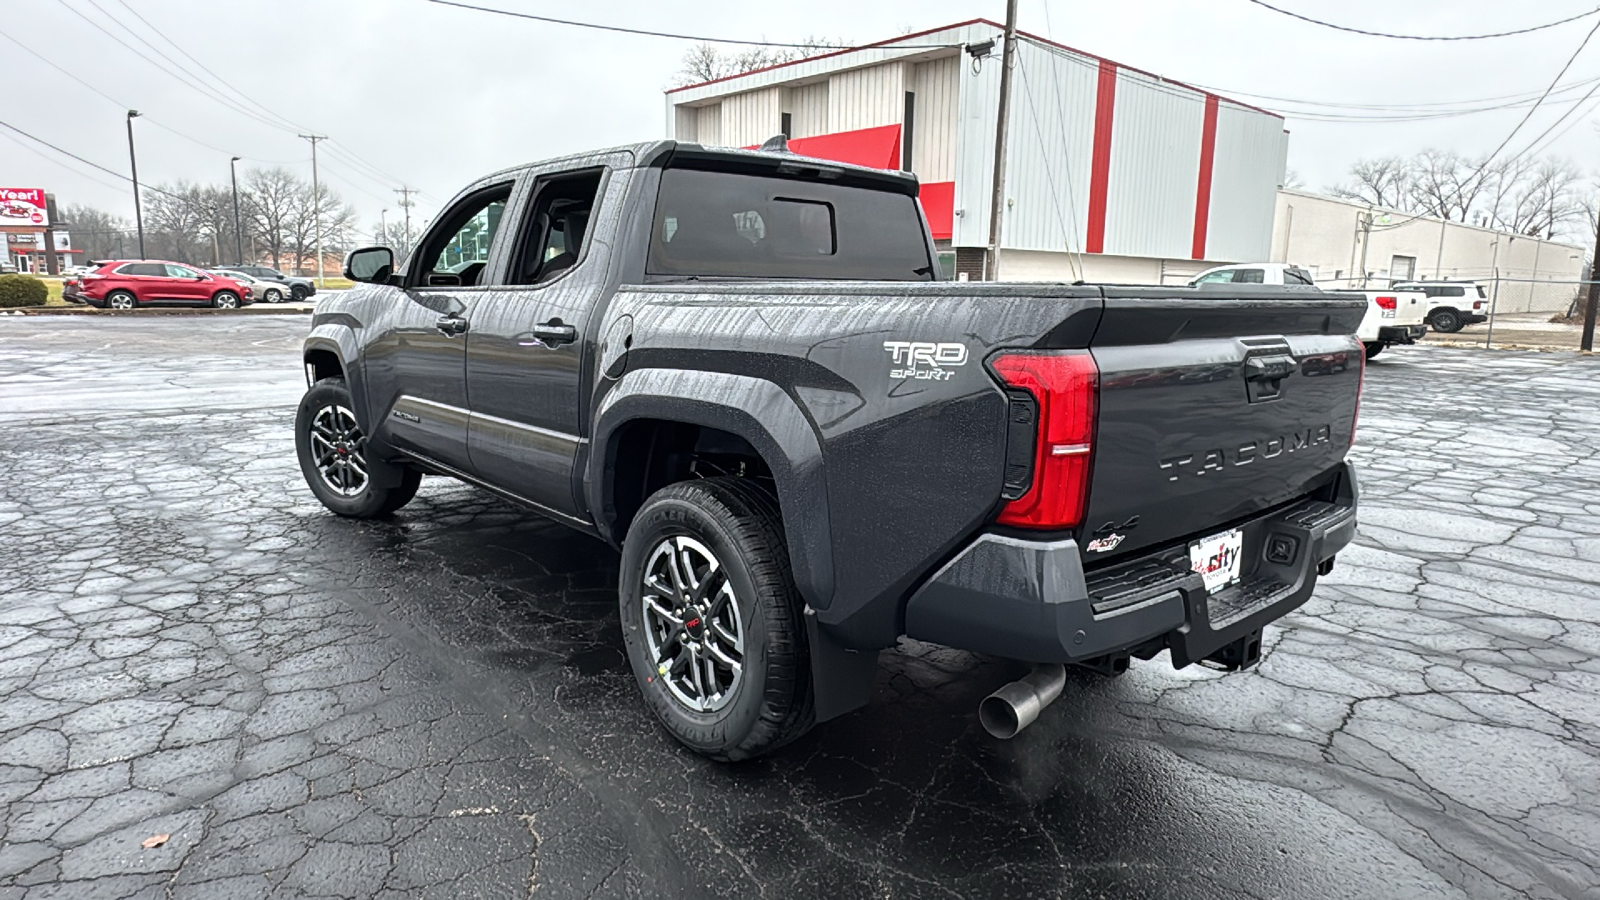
(151, 269)
(1453, 292)
(720, 223)
(1297, 276)
(1248, 276)
(1481, 294)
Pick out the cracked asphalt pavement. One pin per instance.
(437, 705)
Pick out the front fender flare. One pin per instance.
(752, 408)
(339, 338)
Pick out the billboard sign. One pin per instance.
(23, 240)
(23, 206)
(63, 241)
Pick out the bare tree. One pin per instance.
(274, 196)
(336, 218)
(174, 224)
(704, 62)
(1444, 184)
(99, 234)
(1547, 199)
(1293, 181)
(1385, 181)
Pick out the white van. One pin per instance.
(1393, 317)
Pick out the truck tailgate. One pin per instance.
(1214, 408)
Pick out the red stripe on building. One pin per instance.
(1100, 169)
(1202, 195)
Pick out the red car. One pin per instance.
(132, 283)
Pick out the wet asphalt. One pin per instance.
(436, 706)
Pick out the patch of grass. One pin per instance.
(337, 284)
(54, 286)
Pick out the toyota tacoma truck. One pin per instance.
(742, 368)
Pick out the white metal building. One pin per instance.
(1113, 174)
(1337, 243)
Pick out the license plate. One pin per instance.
(1217, 559)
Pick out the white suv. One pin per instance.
(1452, 305)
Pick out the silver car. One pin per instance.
(265, 291)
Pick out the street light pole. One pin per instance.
(238, 233)
(316, 201)
(383, 226)
(133, 163)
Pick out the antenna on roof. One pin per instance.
(778, 143)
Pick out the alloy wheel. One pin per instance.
(121, 301)
(693, 628)
(338, 449)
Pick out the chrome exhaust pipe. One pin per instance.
(1007, 711)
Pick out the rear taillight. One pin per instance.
(1387, 303)
(1064, 386)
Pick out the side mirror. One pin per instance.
(372, 265)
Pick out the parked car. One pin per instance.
(265, 291)
(132, 283)
(800, 470)
(298, 288)
(1393, 316)
(1452, 305)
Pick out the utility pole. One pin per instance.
(383, 226)
(998, 204)
(316, 200)
(1366, 238)
(405, 204)
(238, 233)
(1594, 290)
(133, 162)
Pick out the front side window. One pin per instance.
(458, 252)
(173, 271)
(1223, 277)
(710, 223)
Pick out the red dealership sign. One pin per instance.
(22, 206)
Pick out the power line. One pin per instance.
(41, 154)
(86, 162)
(1422, 37)
(681, 37)
(1433, 106)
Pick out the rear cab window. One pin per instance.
(710, 223)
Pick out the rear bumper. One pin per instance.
(1401, 334)
(1032, 601)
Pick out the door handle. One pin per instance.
(1270, 368)
(555, 332)
(451, 326)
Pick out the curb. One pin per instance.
(167, 311)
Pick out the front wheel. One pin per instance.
(1373, 349)
(298, 292)
(273, 296)
(225, 300)
(712, 621)
(334, 461)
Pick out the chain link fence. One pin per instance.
(1525, 312)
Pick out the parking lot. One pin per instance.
(437, 705)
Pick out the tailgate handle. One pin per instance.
(1268, 368)
(1264, 375)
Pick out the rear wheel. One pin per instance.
(712, 621)
(334, 461)
(121, 300)
(1447, 321)
(225, 300)
(1373, 349)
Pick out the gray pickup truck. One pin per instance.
(743, 369)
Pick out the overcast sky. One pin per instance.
(436, 96)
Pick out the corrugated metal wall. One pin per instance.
(752, 117)
(808, 109)
(1155, 167)
(980, 95)
(685, 120)
(708, 124)
(1244, 183)
(865, 98)
(937, 85)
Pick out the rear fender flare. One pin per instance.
(758, 411)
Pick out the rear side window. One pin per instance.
(1454, 292)
(149, 269)
(1481, 294)
(727, 224)
(1248, 276)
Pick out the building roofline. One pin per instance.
(1430, 220)
(889, 43)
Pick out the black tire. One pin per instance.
(738, 521)
(1446, 321)
(386, 486)
(225, 300)
(121, 300)
(1373, 349)
(298, 292)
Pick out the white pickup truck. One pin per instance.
(1393, 316)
